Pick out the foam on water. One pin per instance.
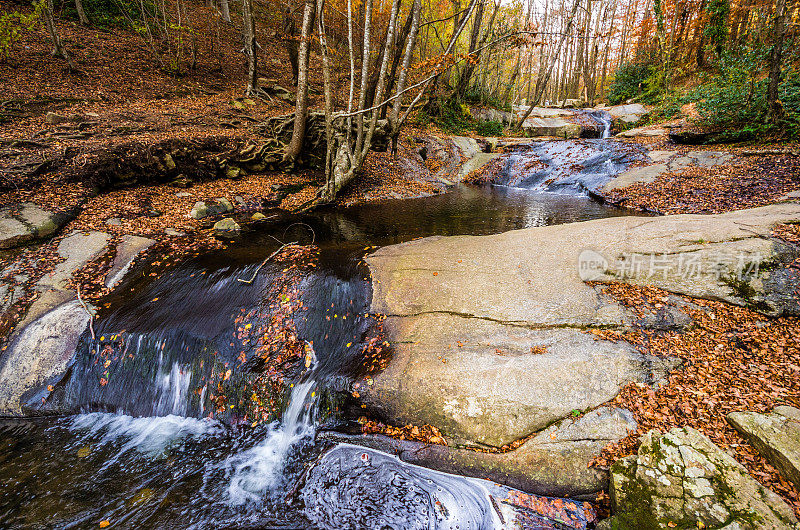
(148, 435)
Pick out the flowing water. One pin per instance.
(141, 438)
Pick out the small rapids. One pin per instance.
(154, 423)
(569, 167)
(259, 470)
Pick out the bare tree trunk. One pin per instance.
(540, 90)
(82, 18)
(58, 47)
(775, 109)
(290, 36)
(249, 29)
(362, 97)
(301, 104)
(469, 67)
(225, 10)
(401, 80)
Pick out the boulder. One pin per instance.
(626, 114)
(557, 127)
(226, 228)
(776, 436)
(682, 480)
(203, 209)
(42, 351)
(27, 222)
(258, 216)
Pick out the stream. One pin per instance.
(136, 432)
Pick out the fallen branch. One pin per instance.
(265, 262)
(86, 308)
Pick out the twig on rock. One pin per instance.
(265, 262)
(86, 308)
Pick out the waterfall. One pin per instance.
(258, 470)
(604, 118)
(173, 391)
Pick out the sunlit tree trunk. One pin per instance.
(82, 18)
(225, 10)
(540, 90)
(50, 24)
(775, 109)
(249, 32)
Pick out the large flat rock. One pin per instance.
(487, 330)
(478, 381)
(775, 435)
(536, 276)
(76, 249)
(666, 161)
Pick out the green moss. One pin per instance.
(742, 288)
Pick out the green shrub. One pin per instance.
(14, 23)
(453, 118)
(477, 94)
(629, 81)
(489, 128)
(112, 13)
(736, 98)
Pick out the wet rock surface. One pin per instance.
(553, 462)
(681, 479)
(775, 435)
(40, 352)
(128, 248)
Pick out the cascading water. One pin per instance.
(173, 390)
(570, 167)
(259, 470)
(604, 118)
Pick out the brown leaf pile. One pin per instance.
(426, 434)
(734, 360)
(746, 183)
